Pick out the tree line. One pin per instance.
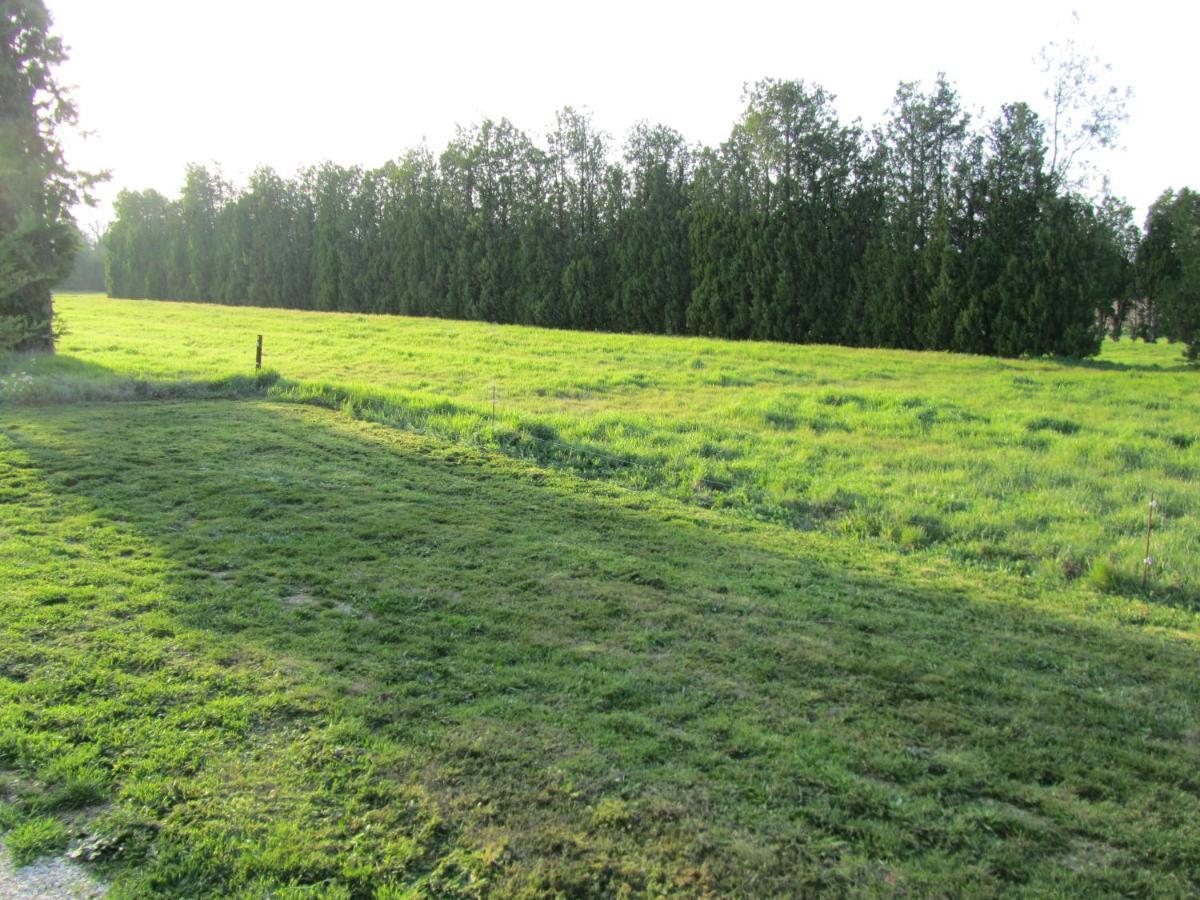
(930, 231)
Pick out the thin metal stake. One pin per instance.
(1148, 561)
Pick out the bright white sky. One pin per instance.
(290, 83)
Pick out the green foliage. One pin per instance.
(38, 238)
(19, 331)
(927, 234)
(1169, 267)
(35, 837)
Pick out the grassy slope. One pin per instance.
(1036, 467)
(258, 644)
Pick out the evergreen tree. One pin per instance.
(1113, 242)
(1169, 266)
(202, 197)
(653, 260)
(578, 178)
(38, 237)
(138, 246)
(921, 148)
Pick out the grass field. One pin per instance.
(1034, 467)
(870, 623)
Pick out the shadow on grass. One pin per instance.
(516, 435)
(584, 690)
(68, 380)
(1108, 365)
(64, 379)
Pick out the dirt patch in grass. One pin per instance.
(299, 599)
(46, 879)
(303, 598)
(1086, 855)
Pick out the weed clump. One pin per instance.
(911, 537)
(1071, 565)
(32, 838)
(1103, 576)
(1048, 423)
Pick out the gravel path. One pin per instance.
(46, 879)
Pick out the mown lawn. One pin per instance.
(256, 647)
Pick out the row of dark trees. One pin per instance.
(927, 232)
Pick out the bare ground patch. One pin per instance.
(304, 598)
(52, 878)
